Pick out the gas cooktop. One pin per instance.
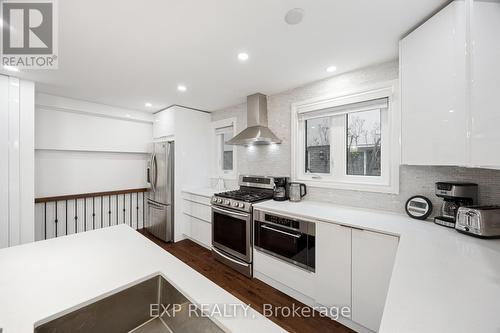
(246, 195)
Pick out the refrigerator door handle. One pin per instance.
(154, 181)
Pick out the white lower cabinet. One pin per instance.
(373, 257)
(353, 269)
(333, 265)
(197, 218)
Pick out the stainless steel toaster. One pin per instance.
(482, 221)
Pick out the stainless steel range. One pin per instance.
(232, 236)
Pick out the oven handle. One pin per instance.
(229, 258)
(230, 213)
(280, 231)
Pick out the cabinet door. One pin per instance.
(485, 136)
(333, 265)
(372, 261)
(433, 90)
(164, 123)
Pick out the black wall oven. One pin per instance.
(287, 238)
(232, 238)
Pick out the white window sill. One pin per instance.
(338, 185)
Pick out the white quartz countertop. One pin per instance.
(204, 192)
(46, 279)
(442, 281)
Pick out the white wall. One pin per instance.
(16, 161)
(86, 147)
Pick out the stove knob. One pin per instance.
(219, 200)
(235, 204)
(227, 202)
(241, 205)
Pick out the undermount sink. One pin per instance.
(130, 311)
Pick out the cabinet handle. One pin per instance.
(281, 232)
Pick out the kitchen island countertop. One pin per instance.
(43, 280)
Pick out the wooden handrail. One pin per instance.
(89, 195)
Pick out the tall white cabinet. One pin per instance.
(189, 129)
(449, 73)
(17, 105)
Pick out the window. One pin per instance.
(224, 155)
(346, 142)
(225, 151)
(364, 143)
(317, 145)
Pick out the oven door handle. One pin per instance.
(229, 258)
(280, 231)
(230, 213)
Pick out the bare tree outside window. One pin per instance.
(318, 145)
(227, 152)
(364, 143)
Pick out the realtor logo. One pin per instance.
(29, 34)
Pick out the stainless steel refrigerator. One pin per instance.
(160, 203)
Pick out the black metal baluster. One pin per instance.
(124, 219)
(76, 216)
(84, 214)
(130, 207)
(45, 220)
(66, 216)
(93, 213)
(109, 211)
(55, 221)
(137, 210)
(116, 209)
(143, 210)
(101, 211)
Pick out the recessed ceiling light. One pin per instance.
(243, 56)
(181, 87)
(331, 69)
(148, 105)
(11, 68)
(294, 16)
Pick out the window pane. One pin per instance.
(363, 143)
(227, 151)
(318, 145)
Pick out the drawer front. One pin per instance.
(198, 230)
(285, 273)
(195, 209)
(196, 198)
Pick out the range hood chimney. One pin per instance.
(257, 132)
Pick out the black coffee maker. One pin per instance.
(455, 195)
(281, 188)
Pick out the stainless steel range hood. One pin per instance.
(257, 132)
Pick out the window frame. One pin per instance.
(217, 149)
(338, 178)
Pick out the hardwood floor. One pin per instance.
(251, 291)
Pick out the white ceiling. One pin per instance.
(126, 53)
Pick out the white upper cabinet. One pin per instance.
(485, 74)
(333, 265)
(373, 257)
(433, 81)
(164, 123)
(449, 80)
